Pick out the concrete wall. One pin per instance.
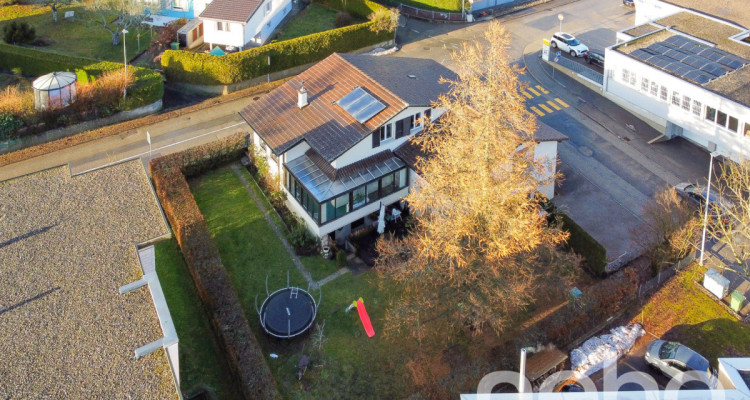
(546, 153)
(649, 10)
(693, 125)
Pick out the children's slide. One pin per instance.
(365, 318)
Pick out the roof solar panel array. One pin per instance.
(689, 59)
(360, 105)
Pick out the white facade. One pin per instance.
(546, 154)
(671, 104)
(254, 32)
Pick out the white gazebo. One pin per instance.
(54, 90)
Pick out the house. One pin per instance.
(686, 72)
(336, 137)
(545, 152)
(242, 23)
(329, 134)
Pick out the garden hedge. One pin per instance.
(593, 253)
(147, 88)
(207, 69)
(204, 261)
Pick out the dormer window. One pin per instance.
(386, 132)
(416, 121)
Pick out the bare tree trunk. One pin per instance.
(53, 7)
(115, 38)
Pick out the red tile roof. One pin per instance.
(325, 126)
(231, 10)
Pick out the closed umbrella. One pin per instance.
(381, 219)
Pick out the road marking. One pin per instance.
(541, 89)
(536, 110)
(526, 94)
(555, 106)
(534, 91)
(545, 108)
(562, 103)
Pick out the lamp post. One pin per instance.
(708, 200)
(124, 61)
(148, 139)
(561, 18)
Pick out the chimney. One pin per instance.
(302, 96)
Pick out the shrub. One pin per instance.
(341, 258)
(303, 241)
(16, 102)
(204, 262)
(207, 69)
(9, 124)
(593, 253)
(103, 94)
(19, 33)
(342, 19)
(147, 88)
(384, 20)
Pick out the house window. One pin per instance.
(386, 185)
(179, 4)
(256, 39)
(747, 128)
(372, 191)
(386, 132)
(686, 103)
(654, 89)
(416, 121)
(644, 84)
(222, 26)
(625, 75)
(268, 7)
(336, 208)
(632, 79)
(733, 124)
(663, 94)
(400, 177)
(359, 197)
(676, 98)
(697, 108)
(428, 114)
(303, 197)
(721, 119)
(710, 114)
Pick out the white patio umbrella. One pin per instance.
(381, 219)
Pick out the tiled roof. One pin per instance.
(231, 10)
(415, 80)
(546, 133)
(325, 126)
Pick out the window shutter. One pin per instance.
(428, 114)
(400, 128)
(376, 139)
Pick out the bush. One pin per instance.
(147, 88)
(19, 33)
(16, 102)
(102, 95)
(207, 69)
(9, 124)
(303, 241)
(341, 258)
(204, 263)
(342, 19)
(593, 253)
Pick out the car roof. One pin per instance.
(565, 35)
(690, 358)
(597, 52)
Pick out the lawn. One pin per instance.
(348, 364)
(435, 5)
(74, 36)
(681, 312)
(201, 360)
(313, 19)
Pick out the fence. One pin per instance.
(485, 4)
(664, 275)
(578, 68)
(431, 15)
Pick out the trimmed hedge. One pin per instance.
(147, 88)
(207, 69)
(593, 253)
(204, 261)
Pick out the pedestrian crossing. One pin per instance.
(544, 107)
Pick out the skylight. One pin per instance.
(361, 105)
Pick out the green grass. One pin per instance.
(682, 312)
(75, 36)
(435, 5)
(201, 362)
(349, 365)
(313, 19)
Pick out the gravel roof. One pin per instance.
(67, 244)
(641, 30)
(730, 10)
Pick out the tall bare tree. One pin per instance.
(477, 252)
(54, 5)
(116, 15)
(730, 224)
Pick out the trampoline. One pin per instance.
(288, 312)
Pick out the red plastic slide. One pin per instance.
(365, 318)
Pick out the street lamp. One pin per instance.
(708, 200)
(125, 61)
(561, 18)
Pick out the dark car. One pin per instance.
(628, 3)
(697, 195)
(595, 58)
(672, 359)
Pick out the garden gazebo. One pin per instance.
(54, 90)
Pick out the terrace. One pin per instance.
(67, 245)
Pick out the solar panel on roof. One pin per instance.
(360, 105)
(697, 77)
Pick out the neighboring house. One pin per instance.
(545, 152)
(686, 73)
(242, 23)
(330, 132)
(337, 136)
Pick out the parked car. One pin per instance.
(595, 58)
(672, 359)
(569, 44)
(628, 3)
(697, 195)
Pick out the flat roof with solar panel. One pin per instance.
(689, 59)
(361, 105)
